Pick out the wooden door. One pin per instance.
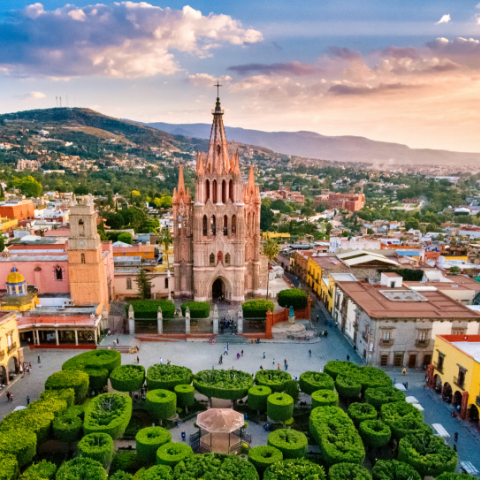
(412, 361)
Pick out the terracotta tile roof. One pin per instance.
(60, 321)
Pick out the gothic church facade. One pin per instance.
(217, 235)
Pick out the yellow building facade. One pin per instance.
(455, 373)
(7, 224)
(276, 235)
(314, 276)
(11, 355)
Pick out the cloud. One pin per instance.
(123, 39)
(290, 68)
(445, 19)
(344, 53)
(33, 96)
(341, 89)
(205, 80)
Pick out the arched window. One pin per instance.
(205, 226)
(214, 225)
(81, 227)
(166, 283)
(214, 193)
(230, 190)
(82, 258)
(219, 257)
(59, 273)
(219, 149)
(207, 190)
(224, 192)
(129, 283)
(227, 259)
(225, 225)
(212, 259)
(234, 224)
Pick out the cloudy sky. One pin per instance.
(406, 71)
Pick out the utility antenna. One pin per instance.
(56, 101)
(60, 101)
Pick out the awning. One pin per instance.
(411, 400)
(441, 432)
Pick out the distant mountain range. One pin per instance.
(340, 149)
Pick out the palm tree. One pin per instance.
(166, 240)
(271, 250)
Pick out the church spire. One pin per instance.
(218, 160)
(181, 183)
(251, 182)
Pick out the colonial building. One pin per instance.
(217, 238)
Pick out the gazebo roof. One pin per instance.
(220, 420)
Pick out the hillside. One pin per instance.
(340, 149)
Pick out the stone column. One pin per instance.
(159, 321)
(131, 321)
(215, 319)
(95, 336)
(76, 336)
(187, 321)
(104, 321)
(240, 322)
(38, 336)
(57, 340)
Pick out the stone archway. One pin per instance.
(3, 375)
(447, 393)
(13, 366)
(218, 290)
(473, 415)
(437, 383)
(457, 399)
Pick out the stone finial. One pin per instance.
(159, 313)
(240, 314)
(187, 312)
(215, 311)
(105, 312)
(131, 313)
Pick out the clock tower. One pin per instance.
(85, 256)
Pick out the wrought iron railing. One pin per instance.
(12, 348)
(386, 342)
(422, 343)
(438, 366)
(459, 382)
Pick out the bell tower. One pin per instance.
(85, 256)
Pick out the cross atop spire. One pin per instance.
(218, 88)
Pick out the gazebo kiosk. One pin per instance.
(220, 430)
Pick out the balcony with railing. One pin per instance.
(419, 343)
(386, 342)
(438, 366)
(365, 336)
(459, 382)
(12, 348)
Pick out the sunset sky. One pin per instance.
(399, 70)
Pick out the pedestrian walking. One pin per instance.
(225, 351)
(454, 448)
(8, 397)
(273, 362)
(404, 371)
(263, 354)
(221, 360)
(28, 400)
(169, 362)
(238, 356)
(261, 368)
(241, 353)
(227, 345)
(39, 358)
(455, 436)
(11, 398)
(278, 366)
(30, 365)
(318, 317)
(348, 358)
(138, 360)
(118, 341)
(309, 353)
(161, 361)
(286, 365)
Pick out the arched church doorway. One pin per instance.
(218, 289)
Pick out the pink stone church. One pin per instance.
(217, 236)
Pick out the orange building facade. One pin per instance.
(19, 209)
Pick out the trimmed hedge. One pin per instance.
(40, 424)
(381, 395)
(257, 308)
(324, 398)
(121, 475)
(8, 467)
(359, 412)
(98, 377)
(81, 468)
(126, 462)
(403, 418)
(348, 471)
(158, 472)
(67, 428)
(148, 309)
(427, 454)
(292, 297)
(20, 443)
(275, 379)
(167, 377)
(372, 377)
(161, 404)
(375, 433)
(225, 384)
(338, 367)
(279, 407)
(394, 470)
(456, 476)
(148, 440)
(128, 378)
(52, 396)
(336, 436)
(348, 386)
(291, 443)
(215, 466)
(75, 379)
(185, 395)
(296, 469)
(108, 413)
(313, 381)
(74, 411)
(257, 397)
(197, 309)
(97, 446)
(98, 359)
(172, 453)
(264, 456)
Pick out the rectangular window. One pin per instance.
(386, 336)
(384, 360)
(129, 284)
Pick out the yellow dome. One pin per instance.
(15, 277)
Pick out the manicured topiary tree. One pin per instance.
(197, 309)
(257, 308)
(128, 378)
(108, 413)
(8, 467)
(215, 465)
(336, 436)
(67, 428)
(348, 387)
(338, 367)
(98, 377)
(121, 475)
(324, 398)
(359, 412)
(280, 407)
(292, 388)
(225, 384)
(373, 377)
(427, 454)
(381, 395)
(74, 411)
(403, 418)
(275, 379)
(167, 377)
(75, 379)
(161, 404)
(456, 476)
(125, 461)
(313, 381)
(374, 433)
(41, 470)
(257, 398)
(39, 423)
(81, 468)
(394, 470)
(148, 441)
(108, 359)
(145, 309)
(294, 469)
(348, 471)
(291, 443)
(97, 446)
(264, 456)
(292, 297)
(185, 396)
(20, 443)
(158, 472)
(172, 453)
(53, 399)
